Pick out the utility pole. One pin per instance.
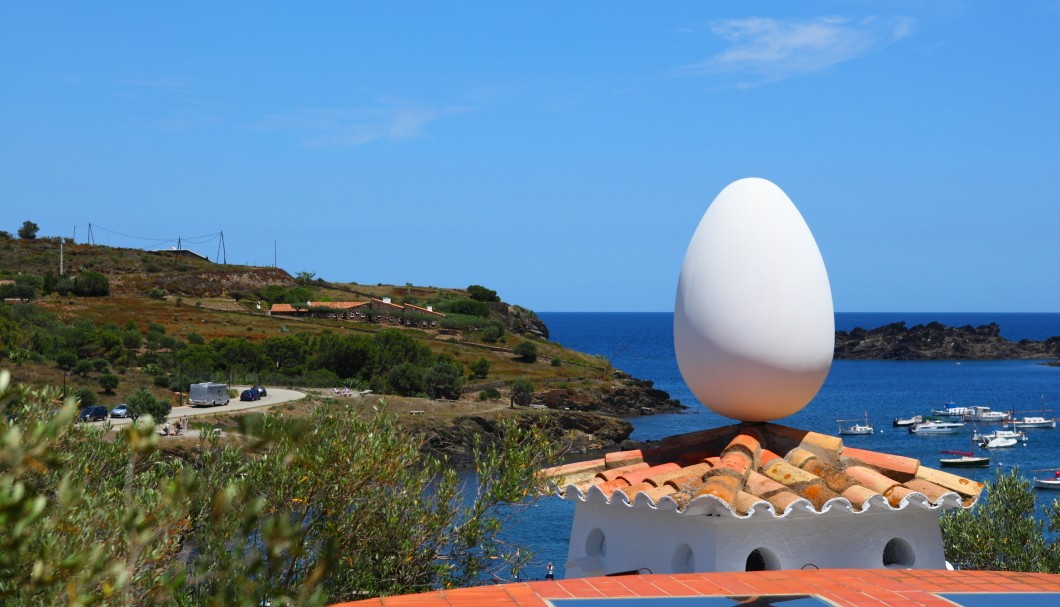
(60, 257)
(274, 253)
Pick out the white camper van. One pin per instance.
(208, 393)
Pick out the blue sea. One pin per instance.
(641, 344)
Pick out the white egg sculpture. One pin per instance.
(754, 328)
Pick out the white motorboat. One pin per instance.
(953, 411)
(1034, 422)
(905, 422)
(1018, 436)
(985, 414)
(937, 427)
(997, 442)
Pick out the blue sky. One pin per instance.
(560, 153)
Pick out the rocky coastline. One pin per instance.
(935, 341)
(581, 420)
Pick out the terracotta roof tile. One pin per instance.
(696, 469)
(643, 474)
(613, 473)
(891, 465)
(722, 486)
(623, 458)
(746, 464)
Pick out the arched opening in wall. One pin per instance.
(595, 543)
(761, 559)
(898, 554)
(684, 560)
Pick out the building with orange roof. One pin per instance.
(751, 497)
(383, 310)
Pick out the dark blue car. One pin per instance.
(250, 394)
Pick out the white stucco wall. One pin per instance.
(607, 539)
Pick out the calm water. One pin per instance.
(642, 344)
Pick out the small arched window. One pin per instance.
(898, 554)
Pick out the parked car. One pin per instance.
(249, 394)
(123, 410)
(93, 413)
(261, 391)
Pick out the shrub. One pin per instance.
(162, 381)
(195, 338)
(469, 307)
(66, 360)
(28, 231)
(492, 332)
(108, 382)
(145, 403)
(556, 362)
(443, 379)
(85, 397)
(526, 351)
(480, 293)
(91, 284)
(481, 367)
(406, 379)
(83, 368)
(522, 392)
(156, 293)
(489, 394)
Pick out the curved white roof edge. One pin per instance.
(709, 505)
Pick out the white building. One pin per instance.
(726, 500)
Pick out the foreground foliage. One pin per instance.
(1002, 533)
(326, 509)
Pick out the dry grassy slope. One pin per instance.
(135, 271)
(198, 303)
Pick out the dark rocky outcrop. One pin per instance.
(522, 321)
(574, 431)
(935, 341)
(624, 396)
(580, 420)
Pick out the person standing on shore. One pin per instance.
(550, 571)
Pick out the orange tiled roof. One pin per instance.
(841, 587)
(338, 305)
(423, 310)
(386, 303)
(747, 469)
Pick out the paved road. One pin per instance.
(275, 397)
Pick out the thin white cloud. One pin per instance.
(760, 50)
(356, 126)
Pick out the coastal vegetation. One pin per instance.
(335, 506)
(1002, 532)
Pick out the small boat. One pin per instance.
(1044, 481)
(905, 422)
(983, 413)
(854, 426)
(936, 427)
(1034, 422)
(997, 442)
(1019, 436)
(965, 459)
(952, 410)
